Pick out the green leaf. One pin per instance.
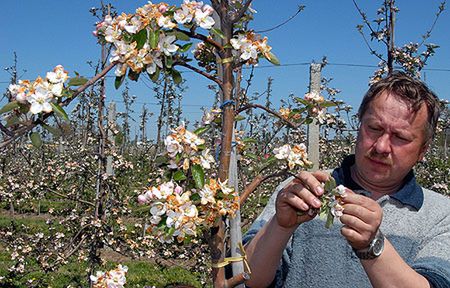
(195, 197)
(169, 61)
(59, 111)
(155, 76)
(118, 138)
(118, 82)
(249, 140)
(133, 76)
(77, 81)
(330, 184)
(309, 121)
(36, 139)
(199, 176)
(201, 130)
(227, 46)
(154, 38)
(330, 220)
(13, 120)
(239, 118)
(252, 156)
(182, 36)
(54, 131)
(176, 76)
(273, 59)
(185, 47)
(328, 104)
(10, 106)
(160, 160)
(302, 101)
(218, 32)
(140, 38)
(179, 176)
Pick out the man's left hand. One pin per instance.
(361, 218)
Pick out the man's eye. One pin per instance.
(374, 128)
(402, 138)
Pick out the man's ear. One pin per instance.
(423, 150)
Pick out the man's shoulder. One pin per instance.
(433, 199)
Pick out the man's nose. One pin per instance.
(383, 144)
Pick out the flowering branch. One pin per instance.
(26, 128)
(202, 37)
(284, 119)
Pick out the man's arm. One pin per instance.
(264, 252)
(266, 248)
(362, 218)
(389, 270)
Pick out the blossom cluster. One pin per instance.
(39, 94)
(316, 110)
(332, 202)
(115, 278)
(189, 201)
(155, 24)
(248, 46)
(295, 155)
(210, 116)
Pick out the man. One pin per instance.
(393, 233)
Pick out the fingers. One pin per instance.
(313, 181)
(304, 193)
(362, 217)
(299, 202)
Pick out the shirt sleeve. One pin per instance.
(433, 259)
(267, 213)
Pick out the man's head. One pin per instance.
(398, 116)
(409, 90)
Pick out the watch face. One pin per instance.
(378, 247)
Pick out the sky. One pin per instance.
(46, 33)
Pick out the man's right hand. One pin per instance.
(299, 202)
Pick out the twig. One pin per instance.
(203, 73)
(299, 9)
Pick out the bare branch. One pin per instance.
(299, 9)
(258, 180)
(364, 17)
(203, 73)
(428, 33)
(70, 198)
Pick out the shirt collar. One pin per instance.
(409, 194)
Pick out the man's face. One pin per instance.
(391, 140)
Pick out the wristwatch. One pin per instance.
(375, 248)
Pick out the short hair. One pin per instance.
(414, 92)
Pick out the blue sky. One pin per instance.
(46, 33)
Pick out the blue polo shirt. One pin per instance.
(416, 221)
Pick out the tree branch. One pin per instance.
(70, 198)
(278, 115)
(258, 180)
(25, 129)
(203, 73)
(202, 37)
(241, 12)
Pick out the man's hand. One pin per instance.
(298, 201)
(362, 218)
